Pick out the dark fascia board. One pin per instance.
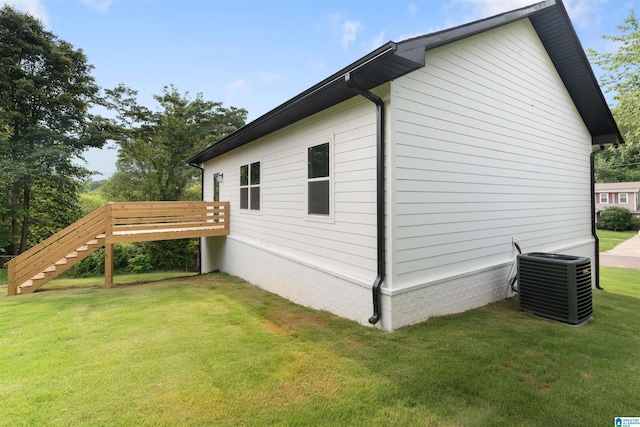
(392, 60)
(450, 35)
(378, 67)
(565, 50)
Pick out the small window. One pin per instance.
(622, 198)
(318, 180)
(250, 186)
(604, 197)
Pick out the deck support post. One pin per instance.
(12, 286)
(108, 265)
(108, 247)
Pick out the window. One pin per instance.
(604, 197)
(622, 198)
(318, 180)
(250, 186)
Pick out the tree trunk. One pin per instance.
(14, 219)
(25, 217)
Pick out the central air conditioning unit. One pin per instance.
(555, 286)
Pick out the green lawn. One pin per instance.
(213, 351)
(620, 281)
(84, 282)
(118, 279)
(610, 239)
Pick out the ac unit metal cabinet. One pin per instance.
(555, 286)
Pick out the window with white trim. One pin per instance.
(622, 198)
(318, 180)
(604, 197)
(250, 186)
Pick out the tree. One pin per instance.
(154, 146)
(618, 164)
(54, 206)
(622, 77)
(46, 90)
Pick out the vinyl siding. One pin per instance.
(488, 145)
(342, 244)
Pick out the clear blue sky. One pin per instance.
(256, 54)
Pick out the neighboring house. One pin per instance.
(396, 185)
(624, 194)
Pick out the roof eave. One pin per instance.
(393, 60)
(574, 69)
(374, 69)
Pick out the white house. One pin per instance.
(397, 185)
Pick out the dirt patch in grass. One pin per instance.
(291, 319)
(544, 388)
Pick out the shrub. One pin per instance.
(172, 255)
(140, 263)
(634, 224)
(615, 218)
(93, 265)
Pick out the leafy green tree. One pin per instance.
(622, 78)
(193, 192)
(46, 90)
(153, 149)
(154, 146)
(90, 197)
(617, 164)
(90, 201)
(90, 185)
(54, 206)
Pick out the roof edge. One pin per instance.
(587, 65)
(393, 60)
(388, 48)
(450, 35)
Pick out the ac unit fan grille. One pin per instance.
(583, 290)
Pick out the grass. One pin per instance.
(118, 279)
(620, 281)
(86, 282)
(214, 350)
(611, 239)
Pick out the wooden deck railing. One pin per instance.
(145, 221)
(110, 224)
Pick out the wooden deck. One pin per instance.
(111, 224)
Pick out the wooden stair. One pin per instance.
(29, 271)
(61, 265)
